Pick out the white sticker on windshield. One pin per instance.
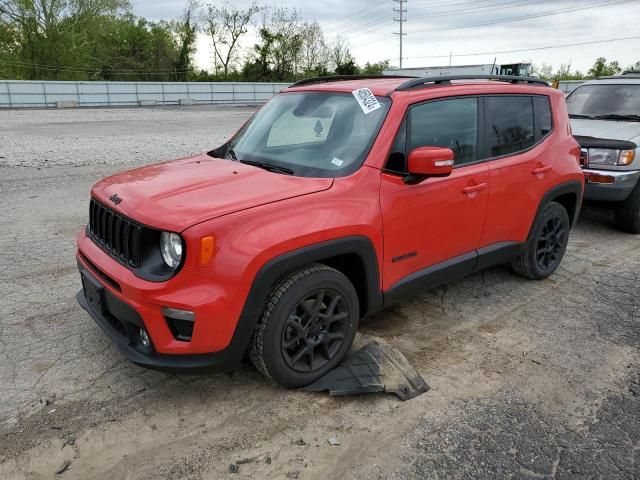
(337, 162)
(367, 100)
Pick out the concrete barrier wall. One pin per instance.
(42, 94)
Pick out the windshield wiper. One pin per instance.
(269, 167)
(577, 115)
(615, 116)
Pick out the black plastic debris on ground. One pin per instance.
(374, 367)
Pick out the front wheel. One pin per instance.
(307, 327)
(547, 244)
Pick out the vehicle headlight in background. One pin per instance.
(608, 156)
(171, 249)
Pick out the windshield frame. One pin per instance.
(594, 116)
(301, 170)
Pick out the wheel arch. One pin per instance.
(354, 256)
(569, 195)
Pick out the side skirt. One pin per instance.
(451, 270)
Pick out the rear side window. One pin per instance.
(510, 124)
(544, 121)
(446, 123)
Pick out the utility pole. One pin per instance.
(400, 11)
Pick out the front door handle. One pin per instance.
(474, 188)
(541, 170)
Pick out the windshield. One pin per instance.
(308, 134)
(605, 100)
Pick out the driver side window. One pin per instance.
(442, 123)
(446, 123)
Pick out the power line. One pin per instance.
(526, 17)
(481, 9)
(509, 20)
(373, 18)
(549, 47)
(358, 30)
(357, 16)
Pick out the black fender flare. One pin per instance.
(279, 266)
(574, 187)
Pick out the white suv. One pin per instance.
(605, 118)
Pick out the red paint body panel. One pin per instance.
(176, 195)
(434, 219)
(255, 215)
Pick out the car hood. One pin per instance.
(614, 130)
(176, 195)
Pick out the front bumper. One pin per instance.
(224, 361)
(609, 185)
(122, 304)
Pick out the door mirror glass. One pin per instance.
(431, 162)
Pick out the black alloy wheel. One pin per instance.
(551, 243)
(547, 243)
(307, 326)
(315, 330)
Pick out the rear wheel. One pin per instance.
(628, 212)
(307, 326)
(547, 245)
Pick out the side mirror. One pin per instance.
(430, 162)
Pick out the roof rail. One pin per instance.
(446, 80)
(339, 78)
(626, 74)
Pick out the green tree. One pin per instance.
(375, 68)
(603, 69)
(53, 38)
(226, 25)
(277, 56)
(565, 73)
(314, 54)
(184, 41)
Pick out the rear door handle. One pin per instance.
(474, 188)
(541, 170)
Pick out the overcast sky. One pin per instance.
(436, 28)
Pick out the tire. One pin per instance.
(547, 244)
(628, 212)
(297, 317)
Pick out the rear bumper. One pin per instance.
(608, 185)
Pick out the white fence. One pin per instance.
(41, 94)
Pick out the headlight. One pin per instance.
(608, 156)
(171, 249)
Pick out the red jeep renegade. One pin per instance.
(338, 198)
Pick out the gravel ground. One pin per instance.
(529, 379)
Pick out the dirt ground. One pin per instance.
(529, 379)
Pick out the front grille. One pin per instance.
(115, 234)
